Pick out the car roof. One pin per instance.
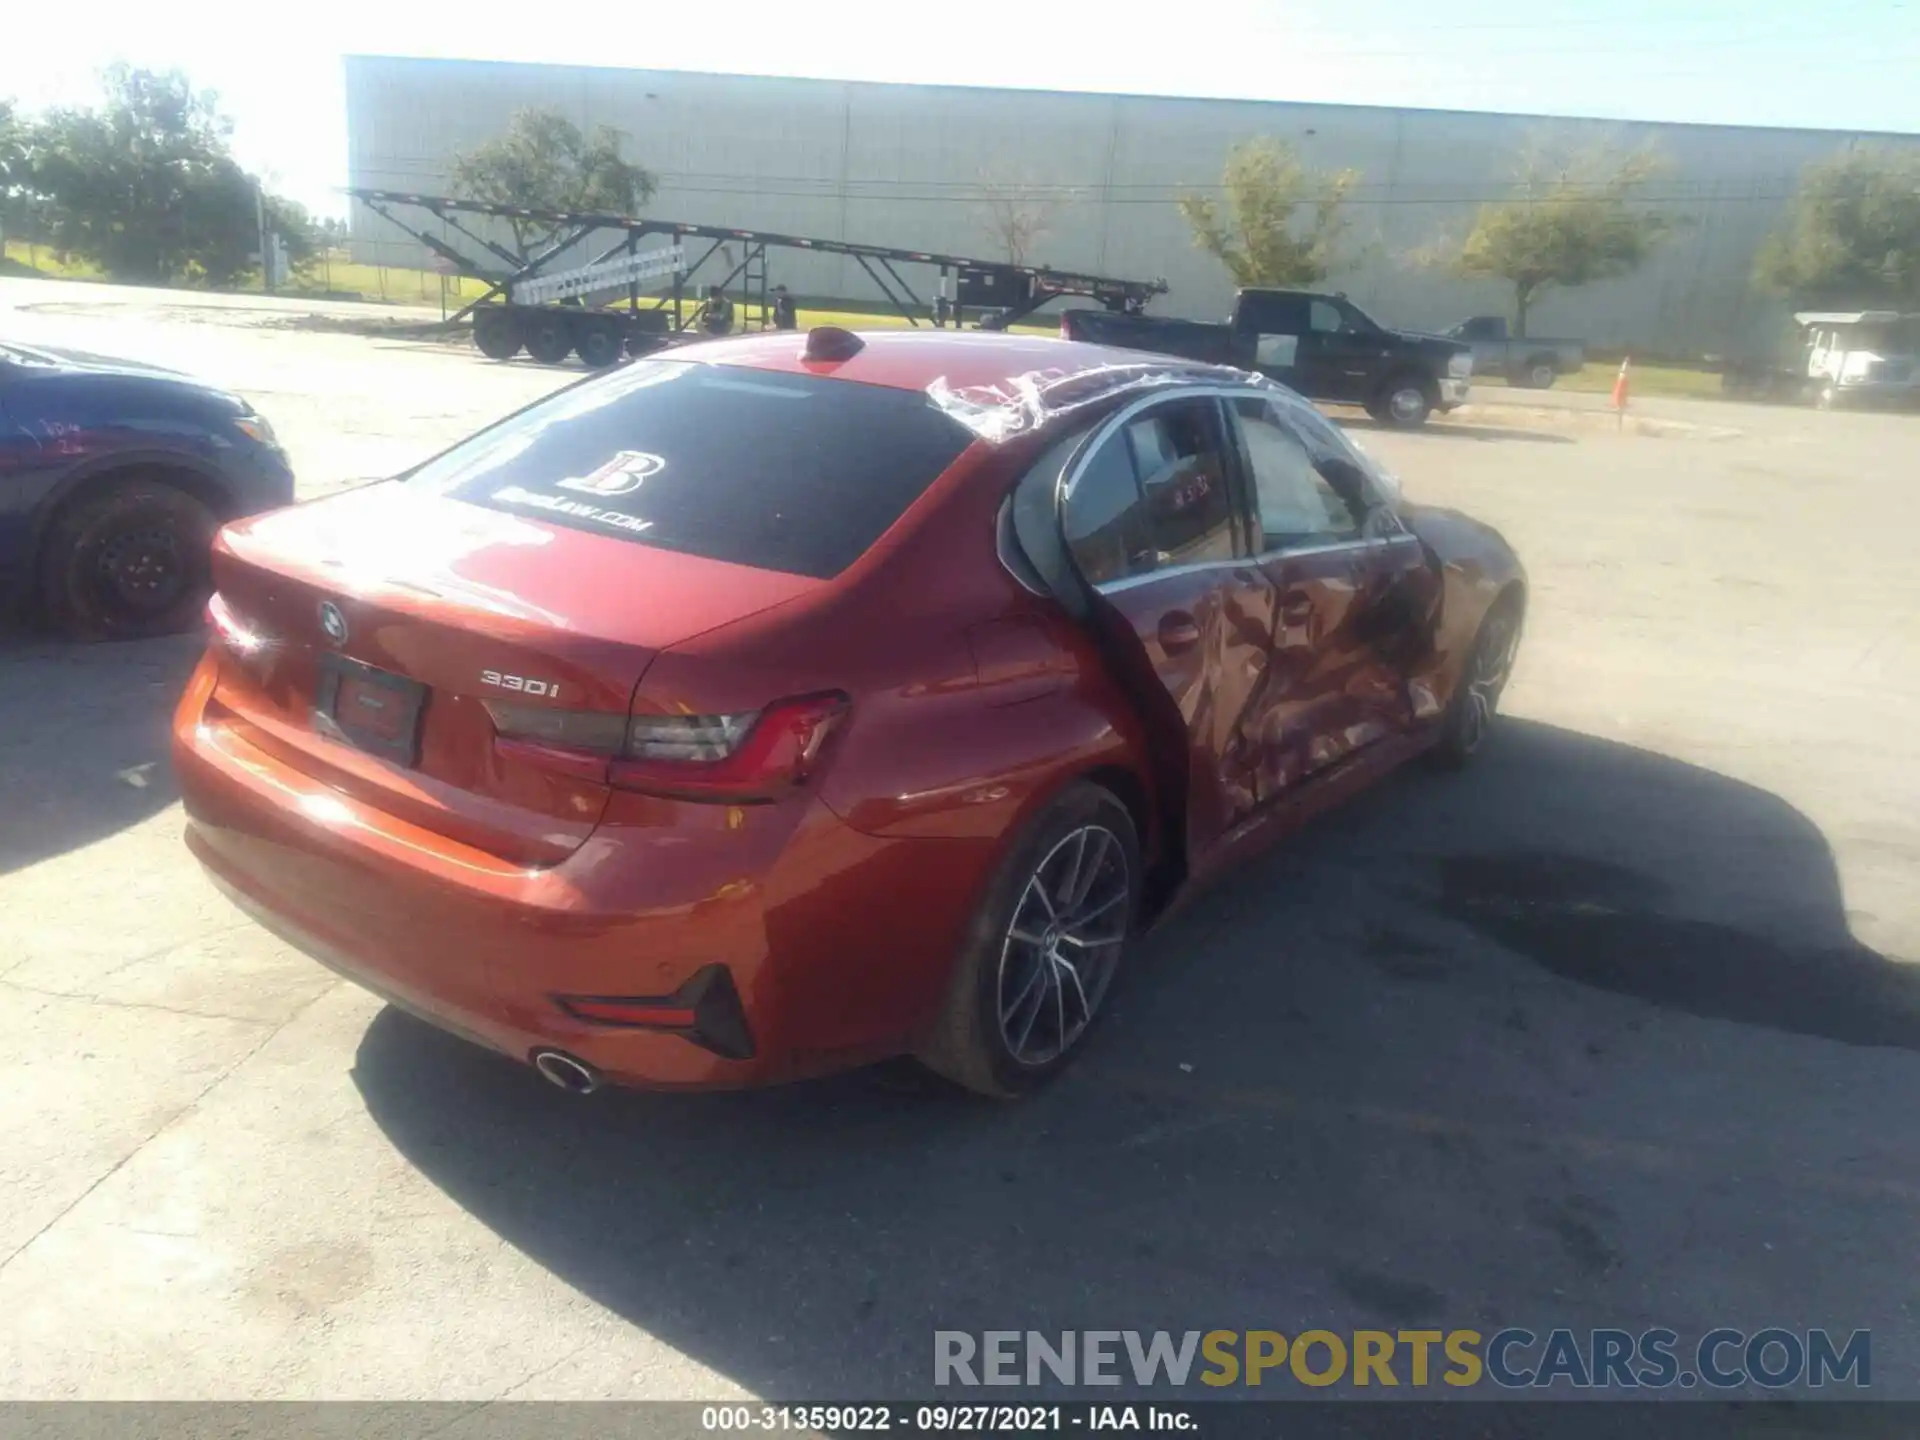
(915, 359)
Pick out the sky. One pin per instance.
(1843, 65)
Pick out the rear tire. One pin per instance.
(1537, 375)
(1476, 697)
(549, 339)
(1042, 951)
(496, 333)
(127, 561)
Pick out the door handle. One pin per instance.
(1178, 631)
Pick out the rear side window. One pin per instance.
(1153, 494)
(1176, 454)
(780, 472)
(1104, 520)
(1280, 314)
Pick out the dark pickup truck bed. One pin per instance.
(1320, 345)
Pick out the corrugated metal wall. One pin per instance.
(914, 166)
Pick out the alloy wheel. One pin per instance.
(1061, 947)
(1486, 678)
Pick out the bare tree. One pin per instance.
(1015, 214)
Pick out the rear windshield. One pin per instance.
(781, 472)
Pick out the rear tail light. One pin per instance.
(687, 737)
(742, 758)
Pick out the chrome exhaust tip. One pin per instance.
(557, 1067)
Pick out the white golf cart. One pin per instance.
(1862, 357)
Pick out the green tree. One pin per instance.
(13, 149)
(1280, 224)
(144, 186)
(543, 162)
(20, 208)
(1576, 219)
(303, 236)
(1852, 235)
(13, 156)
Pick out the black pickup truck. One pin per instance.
(1320, 345)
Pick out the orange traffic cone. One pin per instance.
(1621, 385)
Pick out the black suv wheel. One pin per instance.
(127, 561)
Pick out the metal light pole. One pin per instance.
(266, 249)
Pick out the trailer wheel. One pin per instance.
(549, 339)
(496, 333)
(600, 343)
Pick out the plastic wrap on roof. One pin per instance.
(1018, 406)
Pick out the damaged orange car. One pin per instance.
(789, 703)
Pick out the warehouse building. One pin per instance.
(945, 168)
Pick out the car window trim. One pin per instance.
(1240, 481)
(1244, 562)
(1360, 542)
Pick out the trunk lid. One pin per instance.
(387, 616)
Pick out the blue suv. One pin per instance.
(114, 477)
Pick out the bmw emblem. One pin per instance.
(333, 622)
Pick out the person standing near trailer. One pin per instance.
(716, 312)
(786, 316)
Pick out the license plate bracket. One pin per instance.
(370, 709)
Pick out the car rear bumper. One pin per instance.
(835, 943)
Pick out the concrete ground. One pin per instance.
(1618, 1027)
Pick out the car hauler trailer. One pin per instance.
(535, 305)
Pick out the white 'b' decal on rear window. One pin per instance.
(619, 476)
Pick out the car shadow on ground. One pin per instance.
(86, 739)
(1416, 1068)
(1458, 430)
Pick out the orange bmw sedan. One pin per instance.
(786, 703)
